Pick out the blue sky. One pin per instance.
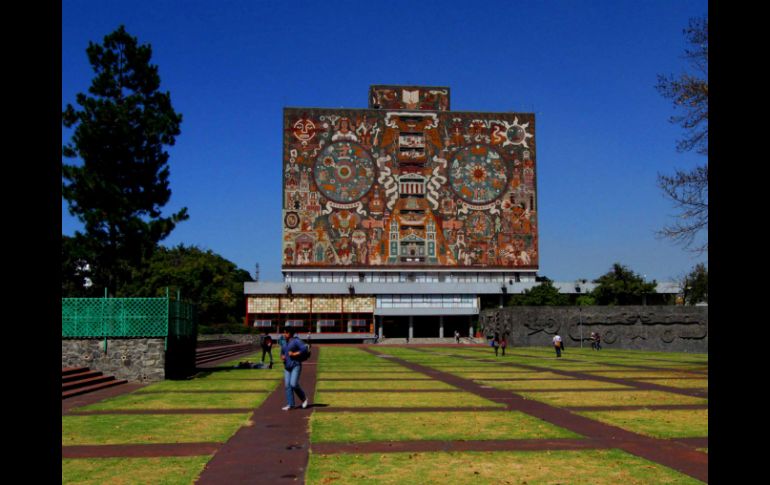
(587, 69)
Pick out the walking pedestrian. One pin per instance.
(266, 342)
(457, 336)
(292, 365)
(496, 344)
(598, 341)
(504, 344)
(557, 345)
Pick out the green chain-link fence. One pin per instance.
(127, 317)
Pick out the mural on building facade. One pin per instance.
(408, 185)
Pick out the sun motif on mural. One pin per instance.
(516, 133)
(344, 172)
(477, 174)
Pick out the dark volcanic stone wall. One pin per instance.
(133, 359)
(658, 328)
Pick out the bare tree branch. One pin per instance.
(689, 190)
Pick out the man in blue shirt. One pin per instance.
(290, 350)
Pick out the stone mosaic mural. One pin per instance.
(659, 328)
(408, 184)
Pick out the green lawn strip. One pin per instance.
(374, 384)
(240, 374)
(149, 428)
(180, 401)
(568, 368)
(124, 471)
(402, 399)
(466, 425)
(680, 383)
(582, 467)
(327, 367)
(531, 375)
(371, 375)
(558, 384)
(479, 366)
(657, 423)
(212, 385)
(613, 398)
(641, 374)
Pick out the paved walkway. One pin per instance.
(274, 449)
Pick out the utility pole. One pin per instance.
(256, 273)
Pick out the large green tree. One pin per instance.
(119, 181)
(696, 285)
(688, 189)
(621, 286)
(544, 294)
(203, 277)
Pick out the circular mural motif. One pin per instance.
(516, 134)
(291, 220)
(477, 174)
(344, 172)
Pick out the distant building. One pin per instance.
(398, 218)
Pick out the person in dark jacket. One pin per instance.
(267, 348)
(290, 352)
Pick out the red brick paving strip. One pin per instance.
(274, 449)
(668, 453)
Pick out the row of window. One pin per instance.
(302, 323)
(427, 301)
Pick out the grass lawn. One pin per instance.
(530, 375)
(640, 374)
(680, 383)
(591, 467)
(488, 425)
(400, 400)
(407, 374)
(150, 428)
(373, 384)
(180, 401)
(552, 384)
(212, 385)
(614, 398)
(125, 471)
(276, 373)
(690, 423)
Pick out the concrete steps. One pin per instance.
(208, 354)
(81, 380)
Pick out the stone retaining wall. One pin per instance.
(656, 328)
(133, 359)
